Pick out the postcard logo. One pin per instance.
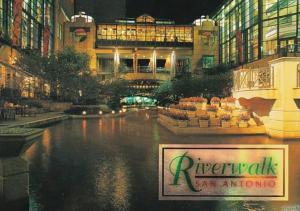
(228, 172)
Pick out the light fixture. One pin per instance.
(84, 113)
(100, 112)
(113, 112)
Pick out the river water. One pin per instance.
(112, 164)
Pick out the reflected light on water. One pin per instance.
(113, 185)
(84, 127)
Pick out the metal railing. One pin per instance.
(100, 43)
(249, 79)
(298, 76)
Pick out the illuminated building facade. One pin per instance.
(144, 47)
(29, 25)
(251, 30)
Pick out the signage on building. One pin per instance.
(80, 34)
(208, 40)
(223, 172)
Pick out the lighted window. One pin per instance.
(208, 62)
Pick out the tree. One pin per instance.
(115, 91)
(89, 89)
(64, 71)
(164, 93)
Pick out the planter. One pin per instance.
(191, 114)
(200, 106)
(220, 112)
(193, 122)
(182, 124)
(226, 124)
(215, 122)
(243, 124)
(234, 122)
(212, 114)
(236, 113)
(200, 113)
(215, 104)
(252, 122)
(223, 105)
(173, 122)
(203, 123)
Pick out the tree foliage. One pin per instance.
(67, 72)
(207, 86)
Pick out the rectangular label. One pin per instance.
(223, 172)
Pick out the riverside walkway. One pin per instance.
(34, 121)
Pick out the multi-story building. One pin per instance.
(257, 30)
(29, 25)
(144, 47)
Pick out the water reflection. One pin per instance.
(112, 164)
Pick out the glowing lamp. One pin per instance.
(84, 113)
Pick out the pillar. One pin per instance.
(173, 64)
(284, 118)
(135, 62)
(116, 62)
(154, 68)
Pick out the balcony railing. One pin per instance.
(100, 43)
(298, 76)
(248, 79)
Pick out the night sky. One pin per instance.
(182, 11)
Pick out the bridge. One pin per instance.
(273, 94)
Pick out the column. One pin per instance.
(135, 62)
(116, 62)
(173, 64)
(154, 57)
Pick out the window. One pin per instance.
(208, 62)
(269, 37)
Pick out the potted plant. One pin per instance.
(200, 103)
(211, 110)
(223, 102)
(244, 118)
(203, 121)
(182, 120)
(225, 120)
(230, 101)
(193, 121)
(191, 111)
(215, 101)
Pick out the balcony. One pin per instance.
(146, 76)
(103, 43)
(251, 79)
